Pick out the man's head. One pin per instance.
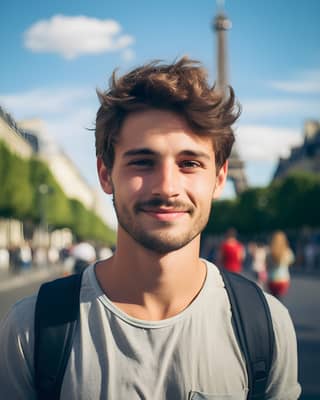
(231, 233)
(181, 87)
(163, 136)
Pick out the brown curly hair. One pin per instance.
(181, 87)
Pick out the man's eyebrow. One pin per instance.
(195, 153)
(139, 152)
(148, 152)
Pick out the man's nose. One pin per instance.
(166, 181)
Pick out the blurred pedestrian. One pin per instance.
(25, 256)
(84, 254)
(279, 259)
(259, 268)
(310, 255)
(232, 252)
(104, 253)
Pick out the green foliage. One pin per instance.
(222, 213)
(30, 192)
(254, 214)
(16, 190)
(290, 203)
(296, 199)
(87, 225)
(49, 200)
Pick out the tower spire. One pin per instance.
(220, 5)
(221, 24)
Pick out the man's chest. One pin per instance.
(121, 361)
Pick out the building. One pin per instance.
(60, 165)
(13, 136)
(28, 138)
(305, 157)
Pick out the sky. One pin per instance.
(54, 55)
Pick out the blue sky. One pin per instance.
(55, 54)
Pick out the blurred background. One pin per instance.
(54, 57)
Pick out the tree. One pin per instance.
(295, 199)
(16, 191)
(30, 192)
(86, 225)
(290, 203)
(50, 202)
(222, 216)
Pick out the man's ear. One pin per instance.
(220, 180)
(104, 176)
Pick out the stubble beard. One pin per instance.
(161, 240)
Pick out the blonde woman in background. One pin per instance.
(279, 259)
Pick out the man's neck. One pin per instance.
(150, 286)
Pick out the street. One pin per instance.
(302, 301)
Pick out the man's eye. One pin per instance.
(190, 164)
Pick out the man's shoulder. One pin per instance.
(22, 312)
(281, 318)
(17, 328)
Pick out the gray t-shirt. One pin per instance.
(193, 355)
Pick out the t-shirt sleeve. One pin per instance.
(16, 352)
(283, 380)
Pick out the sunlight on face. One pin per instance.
(163, 181)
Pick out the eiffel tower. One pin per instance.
(236, 166)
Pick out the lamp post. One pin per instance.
(44, 190)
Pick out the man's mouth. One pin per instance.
(164, 210)
(165, 214)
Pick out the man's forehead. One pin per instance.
(154, 124)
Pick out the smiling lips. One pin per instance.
(165, 214)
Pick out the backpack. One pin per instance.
(57, 313)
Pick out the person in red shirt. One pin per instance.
(231, 252)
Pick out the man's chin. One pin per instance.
(162, 246)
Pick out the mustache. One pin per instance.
(160, 202)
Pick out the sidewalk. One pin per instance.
(9, 280)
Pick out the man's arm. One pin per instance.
(283, 381)
(16, 352)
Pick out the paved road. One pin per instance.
(303, 302)
(14, 288)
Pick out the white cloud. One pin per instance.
(46, 100)
(307, 82)
(67, 113)
(128, 55)
(71, 37)
(256, 108)
(265, 143)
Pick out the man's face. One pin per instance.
(163, 180)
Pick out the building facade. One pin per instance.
(29, 138)
(305, 157)
(13, 136)
(60, 165)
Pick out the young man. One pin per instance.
(155, 321)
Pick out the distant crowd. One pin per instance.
(73, 258)
(236, 255)
(267, 260)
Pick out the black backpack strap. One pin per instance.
(56, 315)
(253, 327)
